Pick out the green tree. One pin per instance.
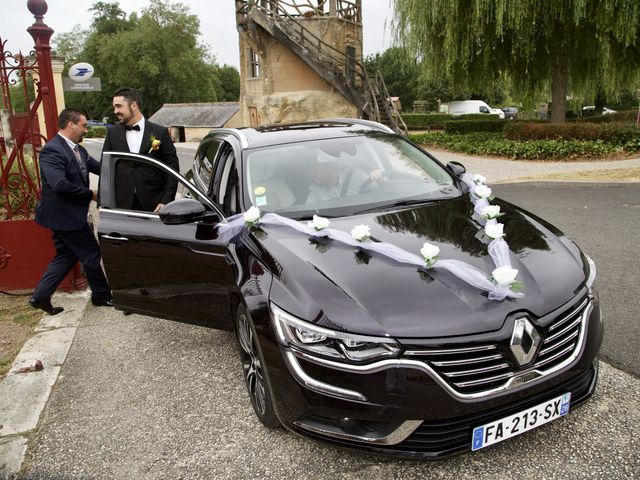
(156, 52)
(576, 46)
(226, 83)
(400, 73)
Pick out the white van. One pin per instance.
(464, 107)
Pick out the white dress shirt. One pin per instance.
(134, 137)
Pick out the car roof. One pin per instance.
(304, 131)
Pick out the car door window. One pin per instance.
(205, 160)
(149, 171)
(225, 189)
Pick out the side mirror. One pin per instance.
(184, 210)
(456, 168)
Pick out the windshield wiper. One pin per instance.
(399, 203)
(310, 217)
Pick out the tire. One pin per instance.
(254, 369)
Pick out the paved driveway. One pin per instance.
(140, 398)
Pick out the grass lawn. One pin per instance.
(17, 323)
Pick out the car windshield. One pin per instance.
(342, 176)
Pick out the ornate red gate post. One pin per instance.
(25, 247)
(41, 34)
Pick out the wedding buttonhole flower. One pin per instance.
(492, 211)
(155, 144)
(506, 277)
(430, 253)
(319, 223)
(494, 230)
(482, 191)
(361, 232)
(479, 179)
(252, 216)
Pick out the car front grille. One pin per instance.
(440, 438)
(477, 370)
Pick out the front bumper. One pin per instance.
(402, 410)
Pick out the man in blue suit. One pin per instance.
(63, 207)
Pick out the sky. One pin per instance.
(217, 23)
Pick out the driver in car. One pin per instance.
(329, 181)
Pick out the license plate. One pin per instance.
(520, 422)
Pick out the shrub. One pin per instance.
(468, 126)
(614, 133)
(425, 120)
(96, 132)
(431, 121)
(625, 116)
(486, 143)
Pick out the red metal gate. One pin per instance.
(20, 181)
(25, 247)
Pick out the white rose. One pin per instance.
(482, 191)
(429, 252)
(319, 222)
(494, 230)
(504, 276)
(479, 179)
(361, 232)
(252, 215)
(492, 211)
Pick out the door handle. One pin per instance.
(117, 239)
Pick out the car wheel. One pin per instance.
(254, 370)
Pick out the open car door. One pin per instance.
(180, 272)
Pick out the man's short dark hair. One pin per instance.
(69, 115)
(130, 95)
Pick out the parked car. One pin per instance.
(465, 107)
(590, 110)
(98, 123)
(338, 339)
(510, 113)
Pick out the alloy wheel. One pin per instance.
(251, 365)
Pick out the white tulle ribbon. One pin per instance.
(480, 194)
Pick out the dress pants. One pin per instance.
(72, 246)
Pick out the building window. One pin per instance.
(254, 64)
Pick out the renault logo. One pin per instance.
(524, 341)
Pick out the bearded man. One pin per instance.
(140, 186)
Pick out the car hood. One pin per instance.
(339, 287)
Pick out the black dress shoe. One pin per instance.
(102, 302)
(46, 306)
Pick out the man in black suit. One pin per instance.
(63, 207)
(140, 186)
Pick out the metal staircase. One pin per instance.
(284, 20)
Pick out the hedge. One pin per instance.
(486, 143)
(613, 133)
(96, 132)
(468, 126)
(629, 116)
(437, 120)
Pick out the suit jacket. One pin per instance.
(65, 198)
(150, 185)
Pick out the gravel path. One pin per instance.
(502, 170)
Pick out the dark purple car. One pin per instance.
(347, 344)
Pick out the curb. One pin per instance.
(23, 396)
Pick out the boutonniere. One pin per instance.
(155, 144)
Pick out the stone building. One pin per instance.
(302, 60)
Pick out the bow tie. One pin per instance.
(134, 127)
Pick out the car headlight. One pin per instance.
(315, 340)
(591, 278)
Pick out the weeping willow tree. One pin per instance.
(584, 48)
